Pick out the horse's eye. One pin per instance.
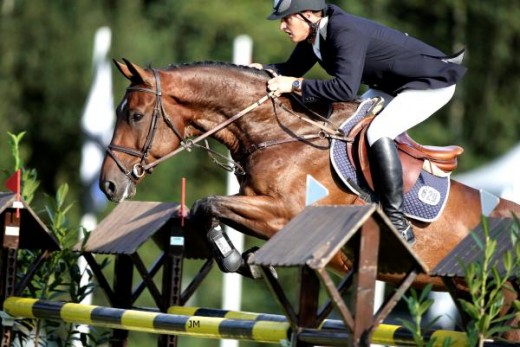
(135, 117)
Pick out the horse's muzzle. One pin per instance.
(117, 192)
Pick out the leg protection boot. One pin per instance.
(229, 259)
(387, 173)
(227, 256)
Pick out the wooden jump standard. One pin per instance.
(309, 241)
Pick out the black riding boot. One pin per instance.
(387, 174)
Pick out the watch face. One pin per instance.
(296, 85)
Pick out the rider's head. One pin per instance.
(284, 8)
(308, 12)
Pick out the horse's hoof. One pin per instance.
(250, 270)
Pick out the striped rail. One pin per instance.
(384, 334)
(208, 323)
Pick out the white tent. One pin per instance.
(500, 177)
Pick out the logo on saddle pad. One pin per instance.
(426, 169)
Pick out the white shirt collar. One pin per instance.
(323, 27)
(322, 31)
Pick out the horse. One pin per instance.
(272, 148)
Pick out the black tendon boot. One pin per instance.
(387, 173)
(226, 255)
(229, 259)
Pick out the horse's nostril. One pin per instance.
(109, 188)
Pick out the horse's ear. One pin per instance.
(123, 69)
(133, 72)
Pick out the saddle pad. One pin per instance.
(424, 201)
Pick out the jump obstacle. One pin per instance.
(330, 228)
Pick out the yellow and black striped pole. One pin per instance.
(384, 334)
(151, 322)
(205, 323)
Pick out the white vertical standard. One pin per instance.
(232, 283)
(97, 125)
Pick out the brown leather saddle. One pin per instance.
(439, 161)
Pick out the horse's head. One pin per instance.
(140, 133)
(168, 110)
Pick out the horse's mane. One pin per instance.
(219, 64)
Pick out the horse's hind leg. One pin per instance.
(257, 216)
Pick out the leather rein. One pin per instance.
(139, 169)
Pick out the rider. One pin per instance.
(414, 78)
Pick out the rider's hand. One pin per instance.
(281, 84)
(256, 66)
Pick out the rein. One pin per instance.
(139, 169)
(326, 130)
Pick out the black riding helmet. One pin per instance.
(283, 8)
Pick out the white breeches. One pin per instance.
(405, 110)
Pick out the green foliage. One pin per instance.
(29, 177)
(14, 142)
(59, 277)
(487, 285)
(418, 304)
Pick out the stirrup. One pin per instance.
(408, 235)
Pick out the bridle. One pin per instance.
(139, 169)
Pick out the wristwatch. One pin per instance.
(296, 85)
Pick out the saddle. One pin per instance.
(439, 161)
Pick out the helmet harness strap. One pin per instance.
(314, 28)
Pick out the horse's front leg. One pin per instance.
(259, 216)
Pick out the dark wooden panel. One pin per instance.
(315, 235)
(468, 250)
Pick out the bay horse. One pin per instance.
(271, 146)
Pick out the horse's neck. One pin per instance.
(214, 97)
(216, 94)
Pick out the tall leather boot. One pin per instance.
(387, 174)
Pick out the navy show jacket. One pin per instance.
(360, 51)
